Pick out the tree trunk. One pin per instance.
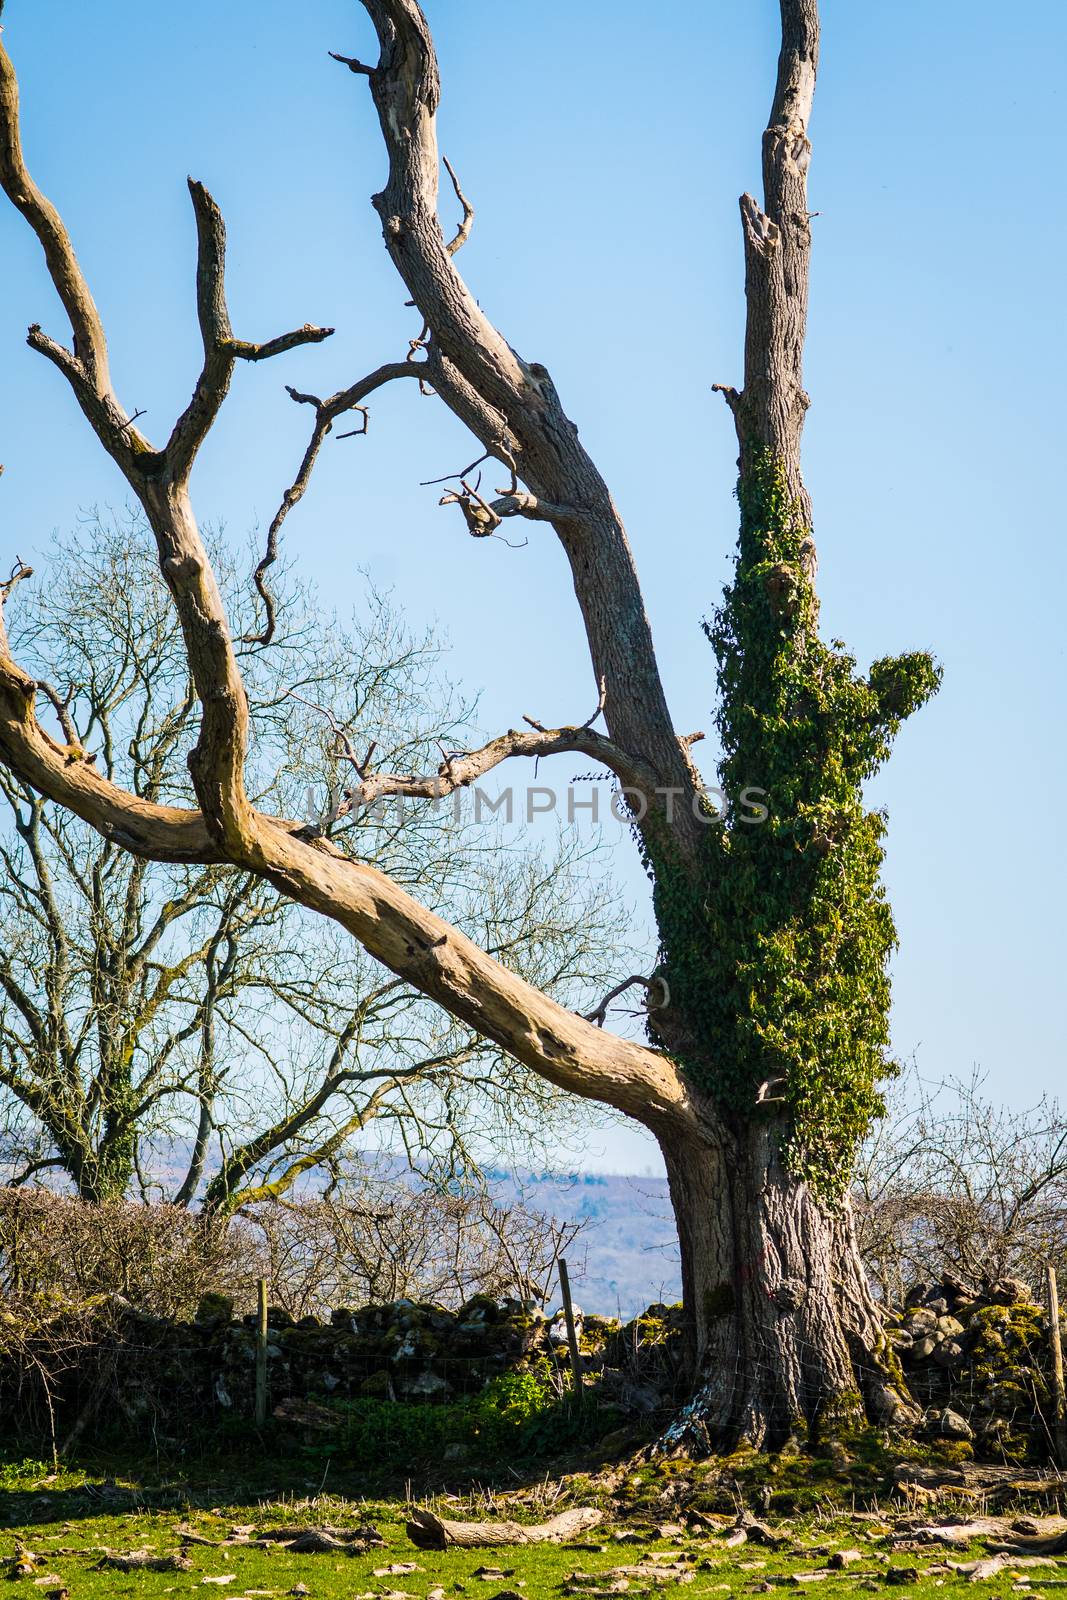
(785, 1339)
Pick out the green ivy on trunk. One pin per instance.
(777, 956)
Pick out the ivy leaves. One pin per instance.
(778, 951)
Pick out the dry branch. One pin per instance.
(463, 232)
(459, 769)
(430, 1532)
(221, 350)
(326, 414)
(145, 1560)
(599, 1014)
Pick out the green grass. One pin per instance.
(69, 1519)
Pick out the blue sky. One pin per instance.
(604, 146)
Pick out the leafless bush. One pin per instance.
(952, 1182)
(377, 1239)
(91, 1294)
(381, 1240)
(159, 1258)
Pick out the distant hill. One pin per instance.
(629, 1247)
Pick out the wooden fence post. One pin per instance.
(1060, 1423)
(572, 1333)
(261, 1355)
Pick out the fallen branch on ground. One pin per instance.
(144, 1561)
(430, 1532)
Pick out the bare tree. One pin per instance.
(951, 1183)
(148, 1008)
(768, 1012)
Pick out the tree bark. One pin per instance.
(784, 1337)
(769, 412)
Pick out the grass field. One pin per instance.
(62, 1532)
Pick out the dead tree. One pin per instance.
(767, 1019)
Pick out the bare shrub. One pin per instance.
(381, 1240)
(378, 1239)
(953, 1183)
(159, 1258)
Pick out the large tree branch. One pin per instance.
(160, 478)
(47, 224)
(161, 833)
(85, 366)
(458, 771)
(451, 969)
(513, 408)
(406, 90)
(224, 1197)
(460, 768)
(413, 942)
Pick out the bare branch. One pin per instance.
(19, 572)
(599, 1014)
(528, 505)
(217, 761)
(601, 702)
(308, 334)
(459, 769)
(352, 64)
(588, 723)
(221, 349)
(85, 366)
(61, 707)
(481, 519)
(290, 498)
(729, 394)
(326, 413)
(765, 1095)
(463, 232)
(42, 216)
(464, 472)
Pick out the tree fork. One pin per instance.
(775, 940)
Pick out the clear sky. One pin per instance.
(604, 144)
